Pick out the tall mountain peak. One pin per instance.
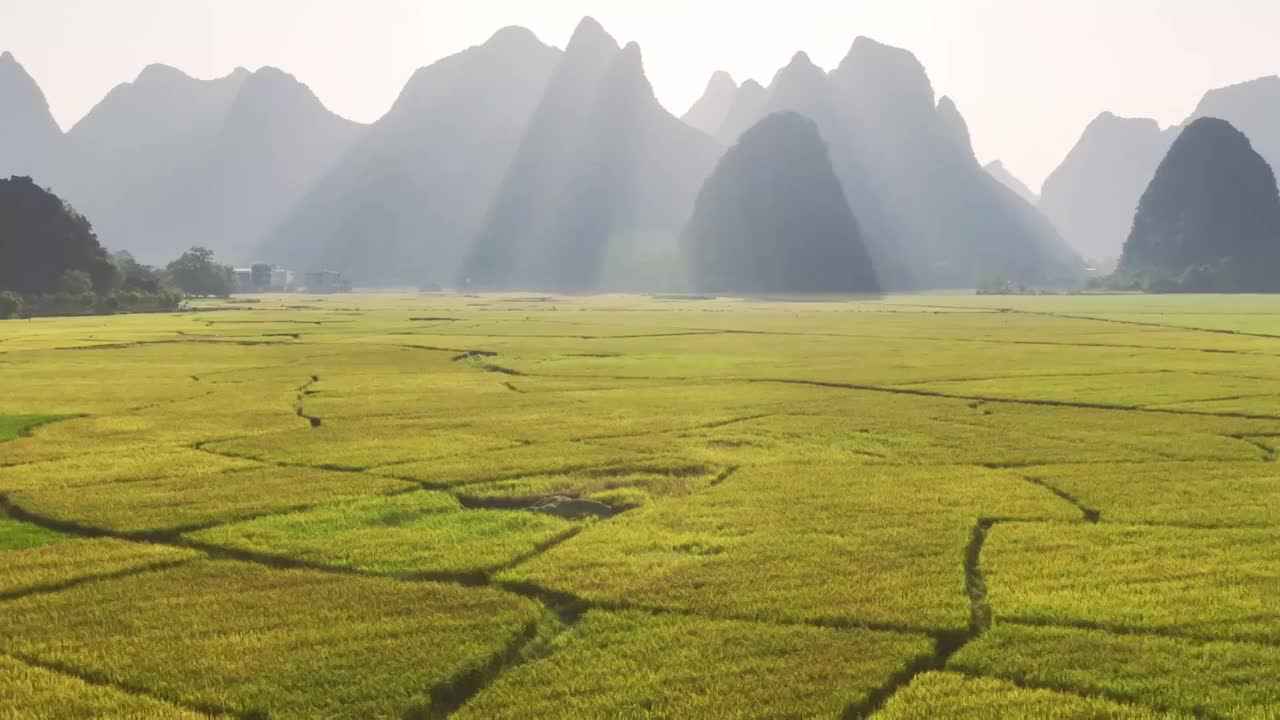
(743, 112)
(955, 126)
(29, 136)
(513, 35)
(1108, 120)
(721, 79)
(1092, 195)
(709, 112)
(591, 37)
(159, 72)
(1002, 174)
(801, 68)
(801, 59)
(876, 73)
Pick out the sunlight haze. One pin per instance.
(1028, 76)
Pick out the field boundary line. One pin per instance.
(1169, 632)
(50, 588)
(98, 680)
(1091, 515)
(893, 390)
(1118, 698)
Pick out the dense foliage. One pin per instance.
(52, 264)
(42, 238)
(198, 275)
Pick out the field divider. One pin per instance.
(1091, 515)
(99, 680)
(946, 644)
(1269, 453)
(1041, 402)
(1168, 632)
(890, 389)
(559, 616)
(1115, 697)
(88, 579)
(298, 408)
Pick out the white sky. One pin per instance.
(1027, 74)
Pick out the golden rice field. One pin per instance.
(430, 506)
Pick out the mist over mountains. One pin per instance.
(1210, 218)
(932, 216)
(1093, 196)
(516, 165)
(29, 137)
(773, 218)
(603, 179)
(404, 205)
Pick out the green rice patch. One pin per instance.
(18, 535)
(414, 534)
(16, 426)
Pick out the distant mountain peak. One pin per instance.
(721, 78)
(885, 72)
(28, 133)
(800, 67)
(752, 85)
(513, 34)
(867, 50)
(1109, 119)
(158, 72)
(955, 126)
(268, 72)
(800, 59)
(709, 112)
(591, 36)
(997, 170)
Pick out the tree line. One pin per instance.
(51, 263)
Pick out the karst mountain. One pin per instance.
(773, 218)
(29, 137)
(1212, 208)
(601, 183)
(1093, 195)
(516, 165)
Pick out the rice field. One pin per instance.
(510, 506)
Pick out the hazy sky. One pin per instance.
(1027, 74)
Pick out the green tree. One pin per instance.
(10, 305)
(41, 237)
(197, 274)
(136, 277)
(76, 282)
